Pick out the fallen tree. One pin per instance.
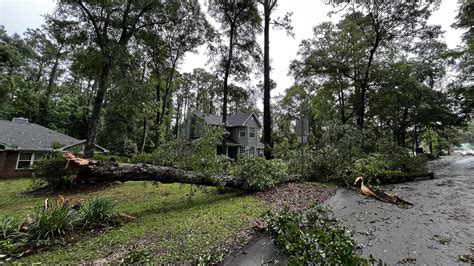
(107, 171)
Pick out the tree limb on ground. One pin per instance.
(106, 171)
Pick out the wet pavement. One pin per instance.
(436, 231)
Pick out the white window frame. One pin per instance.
(254, 132)
(244, 130)
(32, 160)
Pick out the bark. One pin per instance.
(158, 112)
(360, 113)
(144, 134)
(98, 102)
(267, 117)
(44, 107)
(226, 86)
(106, 171)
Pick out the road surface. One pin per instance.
(436, 231)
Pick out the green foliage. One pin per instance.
(51, 171)
(259, 174)
(198, 155)
(8, 227)
(321, 240)
(110, 157)
(98, 211)
(136, 257)
(56, 220)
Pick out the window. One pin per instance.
(242, 132)
(260, 152)
(26, 159)
(252, 150)
(242, 151)
(251, 132)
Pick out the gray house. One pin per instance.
(243, 132)
(22, 143)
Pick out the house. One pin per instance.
(242, 133)
(22, 143)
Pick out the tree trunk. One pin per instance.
(95, 118)
(226, 87)
(106, 171)
(144, 134)
(365, 84)
(44, 105)
(158, 113)
(267, 117)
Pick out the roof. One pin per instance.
(32, 137)
(232, 121)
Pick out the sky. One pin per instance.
(19, 15)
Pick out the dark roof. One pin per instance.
(232, 121)
(30, 136)
(230, 142)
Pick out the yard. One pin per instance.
(175, 223)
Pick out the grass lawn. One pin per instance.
(173, 225)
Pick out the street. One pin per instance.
(438, 230)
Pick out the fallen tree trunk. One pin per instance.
(403, 177)
(106, 171)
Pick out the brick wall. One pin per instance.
(8, 164)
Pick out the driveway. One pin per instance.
(436, 231)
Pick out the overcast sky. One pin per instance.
(18, 15)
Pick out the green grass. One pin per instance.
(173, 225)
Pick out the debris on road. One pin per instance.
(379, 194)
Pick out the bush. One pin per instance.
(259, 174)
(51, 170)
(55, 220)
(98, 211)
(321, 240)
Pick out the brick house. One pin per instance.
(22, 143)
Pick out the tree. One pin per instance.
(185, 29)
(240, 23)
(51, 49)
(268, 7)
(347, 54)
(109, 26)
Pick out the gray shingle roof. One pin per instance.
(232, 121)
(30, 136)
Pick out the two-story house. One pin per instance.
(243, 132)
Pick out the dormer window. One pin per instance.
(252, 132)
(242, 132)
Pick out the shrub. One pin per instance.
(98, 211)
(55, 220)
(51, 170)
(8, 227)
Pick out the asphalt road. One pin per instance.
(436, 231)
